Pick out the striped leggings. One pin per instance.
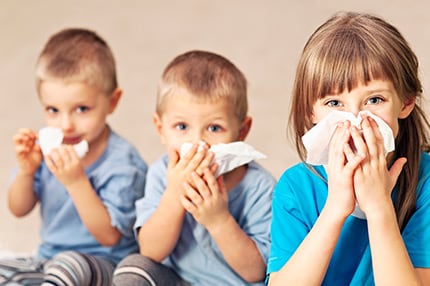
(69, 268)
(138, 270)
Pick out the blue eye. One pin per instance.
(374, 100)
(82, 109)
(333, 103)
(214, 128)
(181, 126)
(51, 109)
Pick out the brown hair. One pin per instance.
(77, 55)
(206, 76)
(351, 49)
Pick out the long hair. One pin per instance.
(350, 49)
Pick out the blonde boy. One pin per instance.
(192, 227)
(87, 204)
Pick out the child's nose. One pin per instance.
(66, 123)
(197, 137)
(355, 111)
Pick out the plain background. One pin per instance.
(263, 38)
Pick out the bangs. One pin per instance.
(346, 61)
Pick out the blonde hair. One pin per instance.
(206, 76)
(77, 55)
(351, 49)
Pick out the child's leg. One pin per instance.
(21, 271)
(138, 270)
(74, 268)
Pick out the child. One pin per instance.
(87, 205)
(355, 62)
(194, 228)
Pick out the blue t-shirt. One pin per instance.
(298, 200)
(196, 257)
(118, 177)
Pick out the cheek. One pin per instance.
(390, 120)
(170, 141)
(395, 128)
(318, 114)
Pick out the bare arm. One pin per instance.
(21, 196)
(208, 203)
(313, 254)
(165, 224)
(158, 236)
(315, 251)
(68, 169)
(93, 213)
(239, 250)
(373, 184)
(390, 259)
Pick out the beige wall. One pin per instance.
(264, 38)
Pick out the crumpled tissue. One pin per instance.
(51, 137)
(228, 155)
(317, 139)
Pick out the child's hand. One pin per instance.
(373, 182)
(28, 153)
(179, 169)
(65, 164)
(208, 200)
(341, 166)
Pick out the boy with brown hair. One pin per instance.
(193, 227)
(86, 200)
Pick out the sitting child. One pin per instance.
(87, 204)
(193, 227)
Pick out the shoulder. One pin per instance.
(306, 178)
(302, 173)
(258, 172)
(423, 188)
(425, 163)
(159, 166)
(121, 151)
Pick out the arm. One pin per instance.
(21, 196)
(315, 251)
(313, 254)
(165, 224)
(68, 169)
(208, 203)
(373, 184)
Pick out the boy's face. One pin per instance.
(186, 120)
(80, 110)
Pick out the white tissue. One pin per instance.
(228, 156)
(51, 137)
(317, 139)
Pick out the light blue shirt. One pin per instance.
(298, 200)
(118, 177)
(196, 257)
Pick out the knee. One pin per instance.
(74, 268)
(132, 271)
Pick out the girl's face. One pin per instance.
(378, 96)
(186, 120)
(78, 109)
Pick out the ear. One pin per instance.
(114, 99)
(407, 108)
(244, 128)
(156, 120)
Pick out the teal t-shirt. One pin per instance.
(298, 200)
